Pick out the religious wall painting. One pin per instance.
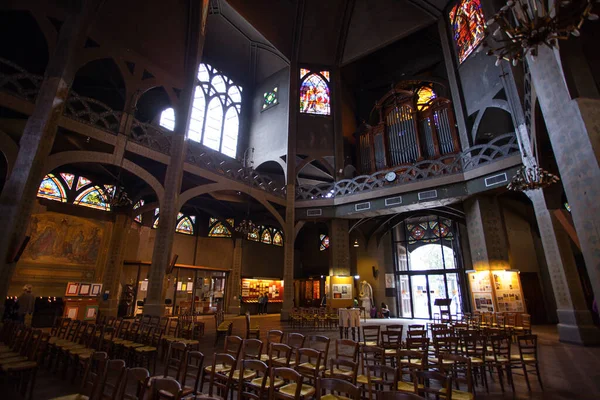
(63, 240)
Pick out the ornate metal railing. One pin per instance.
(152, 136)
(473, 157)
(92, 112)
(214, 161)
(18, 81)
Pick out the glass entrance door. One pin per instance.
(425, 290)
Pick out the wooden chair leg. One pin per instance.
(526, 377)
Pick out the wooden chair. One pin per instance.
(320, 343)
(528, 357)
(331, 388)
(500, 358)
(254, 387)
(342, 368)
(422, 381)
(192, 371)
(279, 355)
(346, 348)
(459, 367)
(416, 334)
(409, 361)
(113, 376)
(295, 341)
(233, 346)
(371, 335)
(252, 330)
(148, 353)
(370, 355)
(309, 363)
(475, 347)
(23, 371)
(273, 336)
(251, 350)
(167, 389)
(92, 378)
(223, 328)
(134, 384)
(293, 387)
(381, 378)
(391, 341)
(221, 374)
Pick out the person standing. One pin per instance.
(260, 303)
(265, 302)
(26, 302)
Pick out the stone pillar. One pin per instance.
(487, 236)
(169, 204)
(111, 276)
(19, 195)
(575, 323)
(235, 278)
(574, 130)
(339, 259)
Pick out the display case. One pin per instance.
(252, 288)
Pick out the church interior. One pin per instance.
(213, 198)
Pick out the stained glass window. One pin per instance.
(217, 99)
(567, 207)
(266, 237)
(270, 98)
(278, 239)
(155, 224)
(139, 204)
(424, 96)
(81, 182)
(92, 197)
(156, 211)
(185, 226)
(138, 218)
(68, 178)
(167, 119)
(52, 189)
(219, 230)
(314, 93)
(179, 215)
(324, 242)
(193, 218)
(254, 235)
(468, 26)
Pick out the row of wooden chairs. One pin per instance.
(314, 317)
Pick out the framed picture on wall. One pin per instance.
(91, 312)
(96, 289)
(72, 289)
(71, 312)
(85, 289)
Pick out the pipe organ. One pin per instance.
(406, 132)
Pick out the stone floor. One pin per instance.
(568, 371)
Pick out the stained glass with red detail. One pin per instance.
(52, 189)
(314, 95)
(185, 226)
(468, 26)
(81, 182)
(68, 178)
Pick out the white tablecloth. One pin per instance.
(349, 318)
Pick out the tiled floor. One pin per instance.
(568, 371)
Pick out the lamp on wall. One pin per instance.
(375, 272)
(529, 24)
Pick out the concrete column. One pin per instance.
(235, 278)
(169, 204)
(19, 195)
(111, 276)
(575, 323)
(339, 260)
(288, 253)
(574, 130)
(487, 236)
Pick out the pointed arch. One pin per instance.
(314, 94)
(266, 237)
(197, 117)
(278, 239)
(230, 133)
(185, 226)
(214, 123)
(167, 119)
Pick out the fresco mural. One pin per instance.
(63, 240)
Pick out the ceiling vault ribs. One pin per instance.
(343, 32)
(426, 7)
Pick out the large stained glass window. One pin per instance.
(270, 99)
(314, 92)
(216, 108)
(324, 242)
(92, 197)
(52, 189)
(185, 226)
(468, 26)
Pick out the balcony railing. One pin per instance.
(16, 80)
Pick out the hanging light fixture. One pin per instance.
(355, 243)
(529, 24)
(531, 178)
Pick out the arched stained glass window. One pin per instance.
(468, 26)
(214, 120)
(138, 218)
(324, 242)
(52, 189)
(219, 230)
(81, 182)
(314, 93)
(265, 237)
(425, 95)
(185, 226)
(254, 235)
(278, 239)
(167, 119)
(139, 204)
(155, 224)
(92, 197)
(68, 178)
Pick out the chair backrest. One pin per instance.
(171, 327)
(474, 345)
(175, 359)
(123, 329)
(311, 356)
(371, 355)
(415, 327)
(146, 319)
(337, 387)
(247, 315)
(421, 344)
(260, 371)
(409, 361)
(346, 348)
(321, 343)
(168, 389)
(383, 377)
(343, 368)
(526, 321)
(288, 375)
(113, 375)
(500, 347)
(422, 381)
(460, 369)
(221, 380)
(527, 347)
(446, 345)
(93, 374)
(73, 330)
(134, 384)
(279, 355)
(295, 340)
(192, 369)
(416, 333)
(274, 336)
(251, 349)
(233, 346)
(371, 334)
(63, 328)
(391, 339)
(511, 319)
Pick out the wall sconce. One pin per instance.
(357, 277)
(355, 243)
(375, 272)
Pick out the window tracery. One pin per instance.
(468, 26)
(314, 92)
